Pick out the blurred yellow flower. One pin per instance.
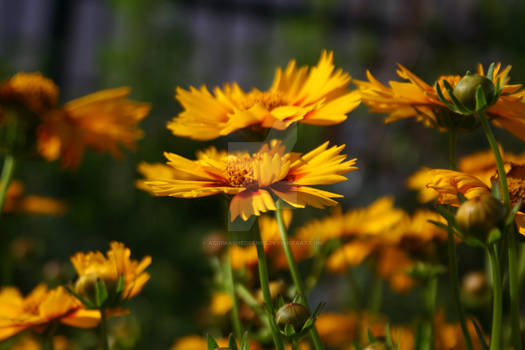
(337, 329)
(30, 343)
(221, 303)
(17, 202)
(252, 178)
(31, 90)
(416, 99)
(40, 308)
(93, 265)
(317, 96)
(103, 121)
(196, 342)
(449, 335)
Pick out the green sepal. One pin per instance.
(318, 310)
(510, 218)
(87, 303)
(494, 235)
(120, 284)
(232, 344)
(280, 302)
(101, 293)
(309, 322)
(244, 341)
(474, 242)
(490, 72)
(438, 224)
(481, 101)
(289, 330)
(212, 344)
(480, 335)
(459, 107)
(442, 97)
(448, 215)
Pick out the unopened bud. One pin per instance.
(479, 215)
(465, 90)
(292, 313)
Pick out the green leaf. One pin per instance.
(212, 344)
(232, 344)
(494, 235)
(448, 215)
(480, 335)
(510, 218)
(481, 101)
(318, 309)
(309, 322)
(490, 71)
(101, 293)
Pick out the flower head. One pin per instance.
(416, 99)
(298, 94)
(18, 202)
(103, 121)
(252, 178)
(35, 92)
(115, 265)
(40, 308)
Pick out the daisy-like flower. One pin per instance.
(110, 268)
(18, 202)
(41, 308)
(316, 96)
(252, 178)
(103, 121)
(416, 99)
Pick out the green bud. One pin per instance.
(479, 215)
(292, 313)
(465, 90)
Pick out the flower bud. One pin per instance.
(465, 90)
(292, 313)
(479, 215)
(377, 345)
(475, 283)
(85, 285)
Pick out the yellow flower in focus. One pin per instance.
(316, 96)
(416, 99)
(32, 90)
(103, 121)
(39, 309)
(17, 202)
(252, 178)
(93, 265)
(221, 303)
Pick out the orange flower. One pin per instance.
(110, 268)
(31, 90)
(39, 309)
(104, 121)
(17, 202)
(319, 96)
(252, 178)
(416, 99)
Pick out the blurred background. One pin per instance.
(154, 46)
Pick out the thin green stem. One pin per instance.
(497, 301)
(430, 293)
(452, 149)
(295, 344)
(250, 300)
(294, 270)
(356, 293)
(454, 283)
(510, 234)
(265, 287)
(452, 260)
(47, 342)
(5, 178)
(376, 296)
(103, 329)
(230, 286)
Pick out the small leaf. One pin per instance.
(481, 101)
(309, 322)
(232, 344)
(494, 235)
(480, 335)
(212, 344)
(510, 218)
(490, 72)
(101, 293)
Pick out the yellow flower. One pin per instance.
(30, 343)
(221, 303)
(317, 96)
(416, 99)
(196, 342)
(103, 121)
(337, 330)
(32, 90)
(252, 178)
(450, 336)
(93, 265)
(17, 202)
(39, 309)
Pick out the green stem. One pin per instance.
(103, 329)
(510, 234)
(521, 265)
(263, 278)
(356, 293)
(294, 270)
(497, 299)
(230, 286)
(249, 299)
(454, 282)
(376, 296)
(430, 305)
(47, 343)
(452, 149)
(295, 344)
(452, 261)
(5, 178)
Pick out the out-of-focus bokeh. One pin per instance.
(154, 46)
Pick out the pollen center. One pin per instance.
(240, 171)
(270, 100)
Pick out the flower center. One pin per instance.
(516, 183)
(240, 171)
(269, 100)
